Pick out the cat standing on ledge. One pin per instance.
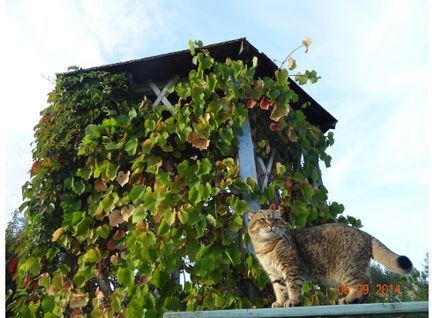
(330, 253)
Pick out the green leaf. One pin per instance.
(109, 122)
(163, 228)
(131, 146)
(78, 186)
(160, 278)
(269, 193)
(138, 214)
(32, 265)
(150, 125)
(203, 167)
(48, 304)
(125, 276)
(92, 255)
(112, 170)
(136, 193)
(194, 194)
(83, 226)
(109, 201)
(301, 78)
(280, 168)
(116, 299)
(191, 47)
(85, 274)
(282, 77)
(93, 130)
(185, 170)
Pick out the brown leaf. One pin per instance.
(142, 225)
(198, 141)
(98, 293)
(100, 186)
(157, 218)
(36, 167)
(78, 300)
(127, 211)
(288, 184)
(76, 313)
(123, 178)
(114, 259)
(115, 218)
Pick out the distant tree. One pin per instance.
(14, 242)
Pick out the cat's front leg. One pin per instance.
(294, 287)
(281, 293)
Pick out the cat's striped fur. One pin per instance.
(330, 253)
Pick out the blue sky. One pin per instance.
(372, 57)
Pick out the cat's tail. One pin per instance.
(396, 263)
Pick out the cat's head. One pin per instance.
(265, 225)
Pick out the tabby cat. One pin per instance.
(330, 253)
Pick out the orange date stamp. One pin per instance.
(363, 289)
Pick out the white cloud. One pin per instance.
(44, 38)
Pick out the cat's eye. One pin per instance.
(261, 220)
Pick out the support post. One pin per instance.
(246, 156)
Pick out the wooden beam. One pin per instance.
(309, 311)
(161, 94)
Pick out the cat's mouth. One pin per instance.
(270, 233)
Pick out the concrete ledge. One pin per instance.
(337, 310)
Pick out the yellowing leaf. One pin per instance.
(279, 111)
(291, 63)
(78, 300)
(306, 44)
(198, 141)
(57, 234)
(115, 218)
(123, 178)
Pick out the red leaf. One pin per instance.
(111, 246)
(251, 103)
(13, 265)
(118, 235)
(288, 184)
(274, 127)
(265, 103)
(273, 206)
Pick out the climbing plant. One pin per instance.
(133, 210)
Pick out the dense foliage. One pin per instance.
(124, 197)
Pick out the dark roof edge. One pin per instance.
(150, 58)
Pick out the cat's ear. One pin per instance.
(249, 215)
(277, 213)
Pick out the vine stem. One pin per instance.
(286, 59)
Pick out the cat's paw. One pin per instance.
(276, 304)
(289, 303)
